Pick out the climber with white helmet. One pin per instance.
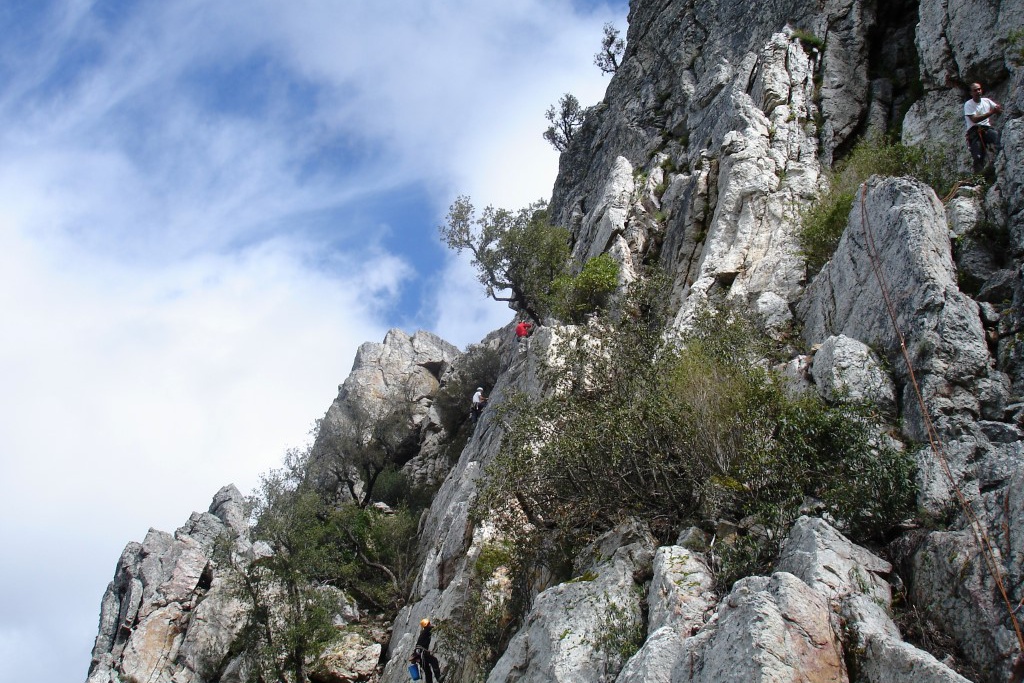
(479, 401)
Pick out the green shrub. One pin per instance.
(315, 545)
(824, 221)
(577, 296)
(394, 488)
(1015, 45)
(678, 433)
(823, 225)
(808, 39)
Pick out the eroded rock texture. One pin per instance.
(168, 613)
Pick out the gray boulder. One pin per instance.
(352, 659)
(767, 629)
(846, 368)
(575, 630)
(857, 583)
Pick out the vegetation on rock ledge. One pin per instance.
(823, 223)
(679, 432)
(312, 553)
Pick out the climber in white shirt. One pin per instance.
(978, 112)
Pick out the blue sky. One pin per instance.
(205, 207)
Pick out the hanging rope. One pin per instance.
(987, 552)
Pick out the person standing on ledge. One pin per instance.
(978, 112)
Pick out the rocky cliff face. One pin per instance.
(166, 611)
(714, 136)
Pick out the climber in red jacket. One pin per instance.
(523, 331)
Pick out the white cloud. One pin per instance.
(131, 395)
(462, 315)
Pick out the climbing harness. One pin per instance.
(986, 149)
(980, 535)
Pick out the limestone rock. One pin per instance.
(167, 613)
(395, 381)
(654, 662)
(680, 597)
(857, 583)
(900, 226)
(354, 658)
(1010, 168)
(949, 578)
(846, 368)
(767, 629)
(572, 630)
(829, 563)
(948, 42)
(681, 591)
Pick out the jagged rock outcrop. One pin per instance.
(575, 630)
(857, 583)
(170, 614)
(725, 101)
(767, 629)
(167, 613)
(679, 599)
(391, 382)
(790, 626)
(899, 232)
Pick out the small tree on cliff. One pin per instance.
(565, 120)
(609, 57)
(313, 556)
(517, 254)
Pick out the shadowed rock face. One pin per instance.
(393, 380)
(713, 137)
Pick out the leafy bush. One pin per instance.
(1015, 46)
(823, 223)
(318, 548)
(395, 488)
(577, 296)
(678, 433)
(809, 40)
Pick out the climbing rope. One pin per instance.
(980, 535)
